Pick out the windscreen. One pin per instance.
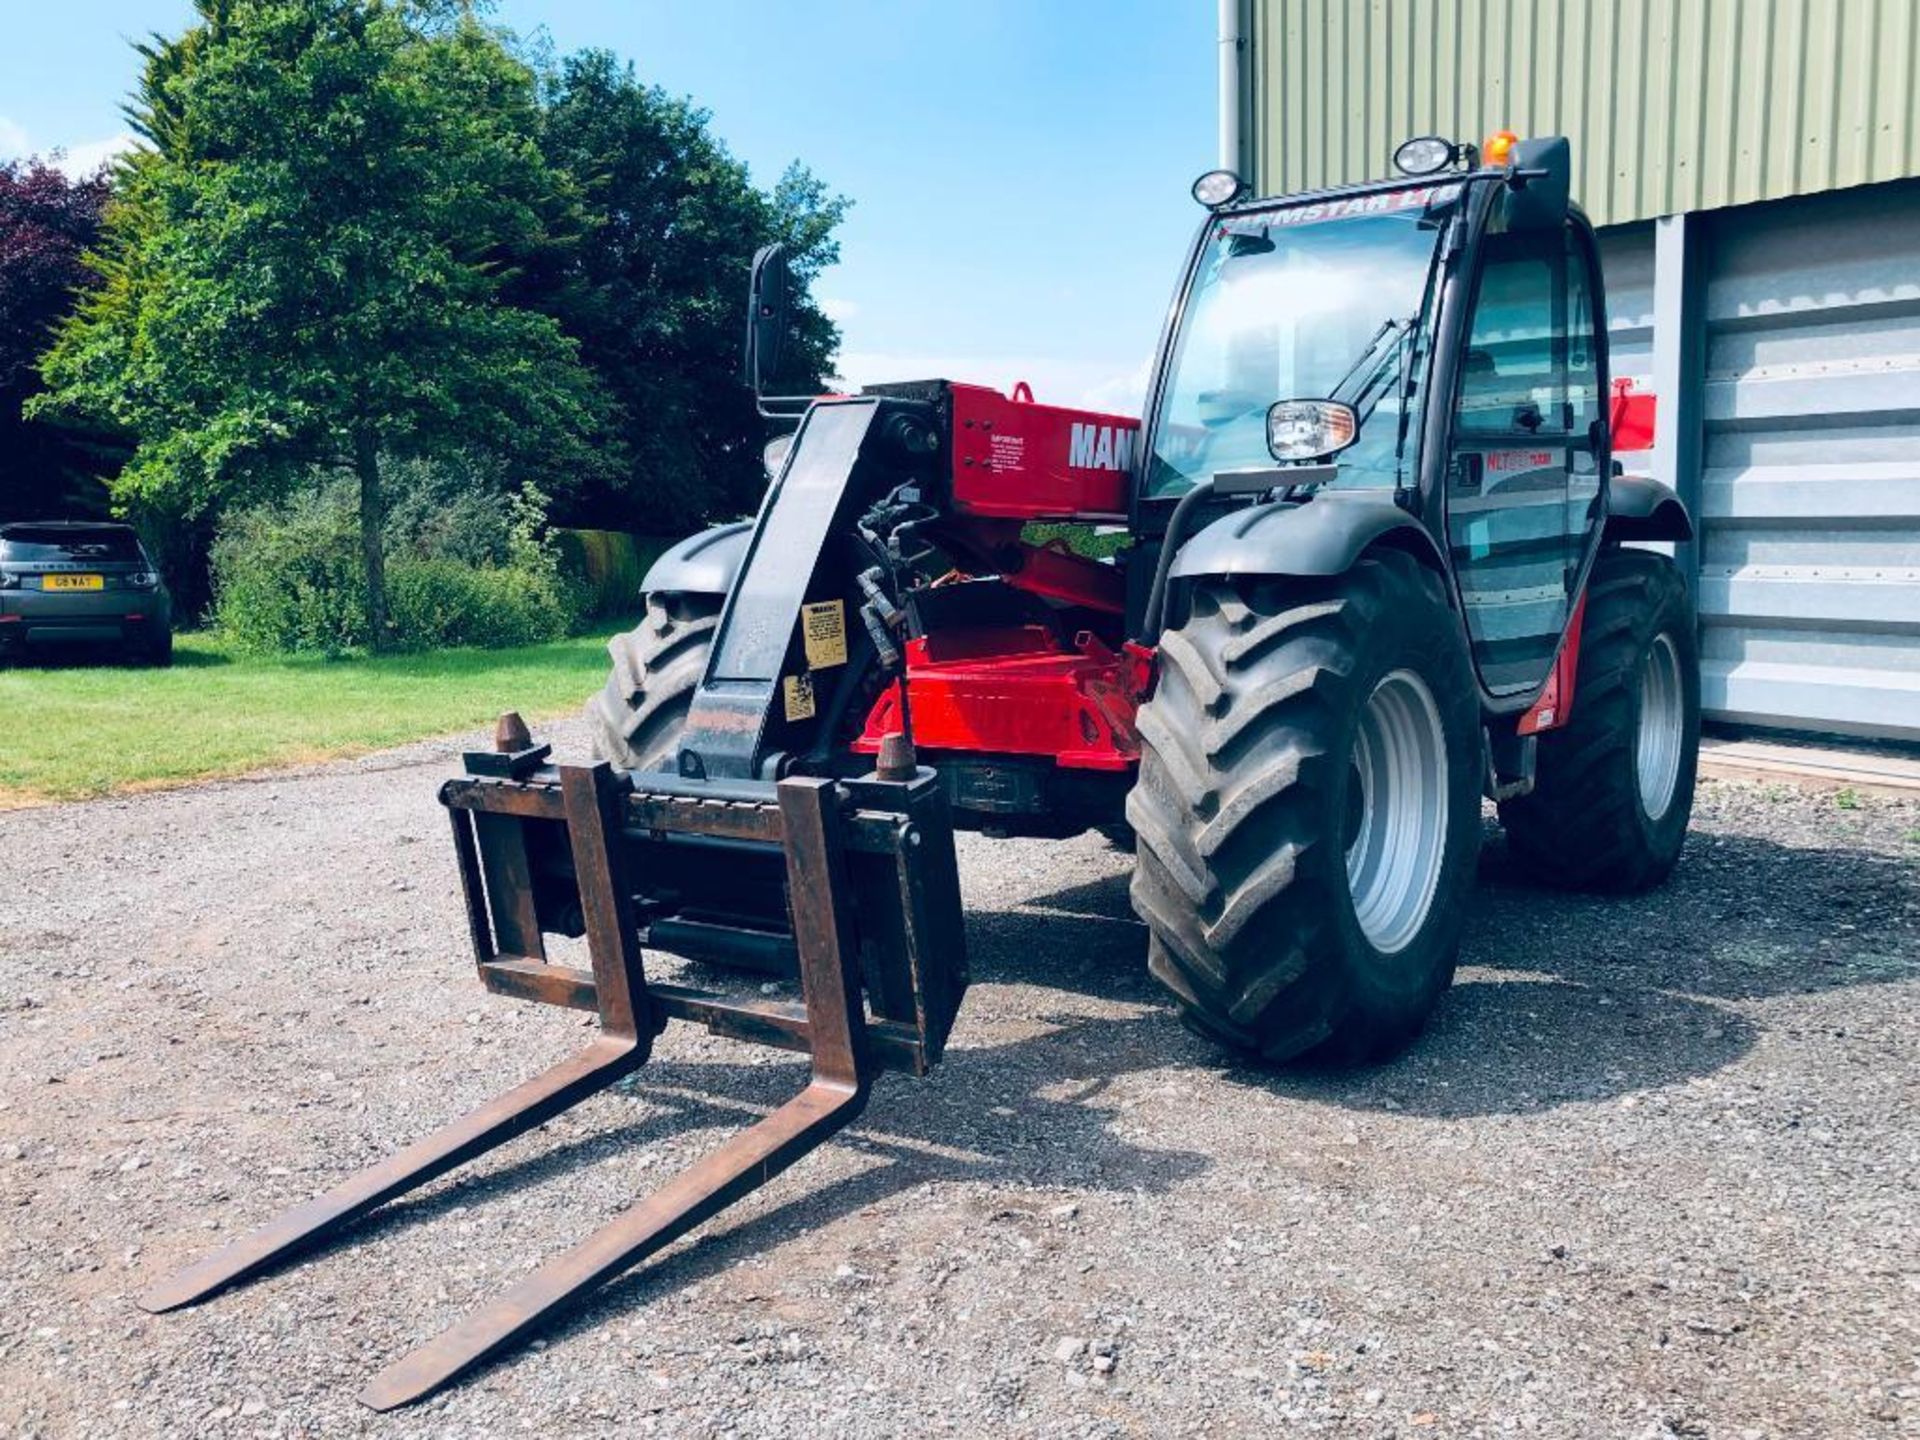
(1328, 300)
(23, 545)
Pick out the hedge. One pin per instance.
(606, 567)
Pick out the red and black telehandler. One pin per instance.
(1376, 562)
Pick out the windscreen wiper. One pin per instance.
(1367, 352)
(1366, 379)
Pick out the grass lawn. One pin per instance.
(76, 731)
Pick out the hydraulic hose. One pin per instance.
(1171, 541)
(880, 616)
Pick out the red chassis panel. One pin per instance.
(1631, 417)
(1016, 691)
(1554, 708)
(1018, 460)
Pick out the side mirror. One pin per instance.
(766, 316)
(1542, 180)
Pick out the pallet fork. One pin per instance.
(873, 898)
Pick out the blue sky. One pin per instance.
(1019, 167)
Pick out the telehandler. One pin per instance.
(1378, 563)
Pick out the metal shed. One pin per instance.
(1751, 162)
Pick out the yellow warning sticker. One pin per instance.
(797, 690)
(824, 628)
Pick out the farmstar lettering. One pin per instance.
(1340, 209)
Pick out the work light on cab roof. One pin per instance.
(1217, 188)
(1427, 155)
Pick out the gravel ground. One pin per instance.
(1651, 1172)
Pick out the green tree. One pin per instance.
(308, 271)
(655, 293)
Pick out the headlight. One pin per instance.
(143, 580)
(774, 455)
(1217, 188)
(1309, 429)
(10, 582)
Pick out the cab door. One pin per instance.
(1524, 465)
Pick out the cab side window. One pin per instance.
(1514, 374)
(1584, 402)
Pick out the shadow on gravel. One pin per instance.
(1592, 997)
(1742, 918)
(1500, 1045)
(981, 1120)
(967, 1124)
(1514, 1046)
(1565, 999)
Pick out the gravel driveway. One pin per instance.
(1652, 1172)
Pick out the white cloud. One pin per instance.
(82, 160)
(74, 161)
(1122, 394)
(837, 309)
(13, 139)
(1082, 384)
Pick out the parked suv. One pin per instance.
(79, 582)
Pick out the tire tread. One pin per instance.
(1581, 826)
(638, 714)
(1241, 741)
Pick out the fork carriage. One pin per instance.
(871, 925)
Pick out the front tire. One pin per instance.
(636, 720)
(1308, 810)
(1613, 789)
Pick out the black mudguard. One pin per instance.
(1324, 536)
(1639, 507)
(702, 564)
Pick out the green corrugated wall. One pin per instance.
(1671, 105)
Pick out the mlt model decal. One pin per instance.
(1520, 460)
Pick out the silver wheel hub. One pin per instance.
(1397, 811)
(1658, 741)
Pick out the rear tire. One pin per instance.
(1308, 810)
(1613, 790)
(638, 716)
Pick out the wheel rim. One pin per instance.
(1397, 836)
(1657, 745)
